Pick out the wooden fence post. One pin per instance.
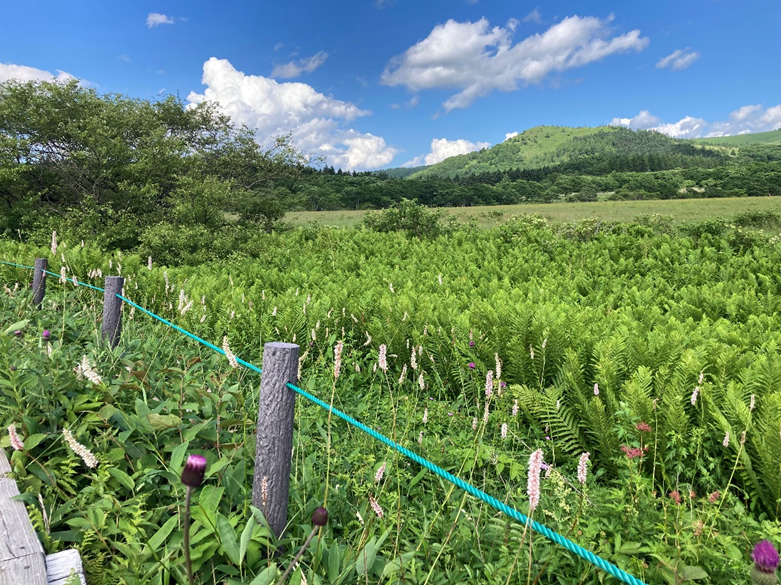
(39, 281)
(276, 412)
(112, 310)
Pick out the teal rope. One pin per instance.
(188, 334)
(470, 489)
(18, 265)
(502, 507)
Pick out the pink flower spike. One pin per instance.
(16, 442)
(375, 506)
(533, 481)
(583, 468)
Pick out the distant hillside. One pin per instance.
(398, 172)
(586, 150)
(773, 137)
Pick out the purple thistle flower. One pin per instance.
(18, 333)
(46, 334)
(320, 516)
(471, 344)
(194, 471)
(765, 557)
(471, 365)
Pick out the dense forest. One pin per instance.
(139, 174)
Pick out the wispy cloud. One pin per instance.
(156, 19)
(296, 68)
(679, 59)
(534, 16)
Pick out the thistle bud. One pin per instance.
(46, 334)
(194, 470)
(766, 560)
(320, 516)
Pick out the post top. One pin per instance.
(115, 278)
(281, 345)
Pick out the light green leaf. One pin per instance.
(122, 478)
(230, 541)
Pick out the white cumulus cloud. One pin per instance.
(442, 148)
(24, 73)
(746, 119)
(314, 120)
(156, 19)
(296, 68)
(510, 135)
(478, 59)
(679, 59)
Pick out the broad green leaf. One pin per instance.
(246, 536)
(229, 539)
(122, 477)
(165, 530)
(162, 422)
(177, 456)
(266, 576)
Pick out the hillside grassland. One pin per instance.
(681, 210)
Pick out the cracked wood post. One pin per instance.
(112, 310)
(276, 411)
(39, 281)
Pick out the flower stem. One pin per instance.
(187, 562)
(300, 554)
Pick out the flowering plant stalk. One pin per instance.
(192, 477)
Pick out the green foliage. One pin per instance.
(409, 217)
(598, 327)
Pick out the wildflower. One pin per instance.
(86, 455)
(765, 557)
(54, 243)
(498, 366)
(471, 365)
(187, 307)
(425, 416)
(504, 430)
(474, 424)
(558, 404)
(531, 351)
(420, 438)
(63, 277)
(471, 344)
(515, 408)
(632, 452)
(85, 369)
(533, 482)
(383, 359)
(643, 427)
(375, 506)
(596, 389)
(16, 442)
(337, 359)
(194, 471)
(489, 384)
(743, 438)
(46, 334)
(582, 468)
(149, 263)
(702, 377)
(421, 383)
(413, 360)
(544, 342)
(695, 394)
(403, 374)
(228, 353)
(726, 440)
(380, 473)
(360, 518)
(714, 497)
(203, 317)
(440, 280)
(485, 413)
(18, 333)
(675, 496)
(752, 402)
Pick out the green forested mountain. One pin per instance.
(590, 150)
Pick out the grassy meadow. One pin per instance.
(682, 210)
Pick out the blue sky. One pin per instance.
(382, 83)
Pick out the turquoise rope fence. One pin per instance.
(470, 489)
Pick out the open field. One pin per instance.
(680, 209)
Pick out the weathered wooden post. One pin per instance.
(112, 310)
(276, 413)
(39, 281)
